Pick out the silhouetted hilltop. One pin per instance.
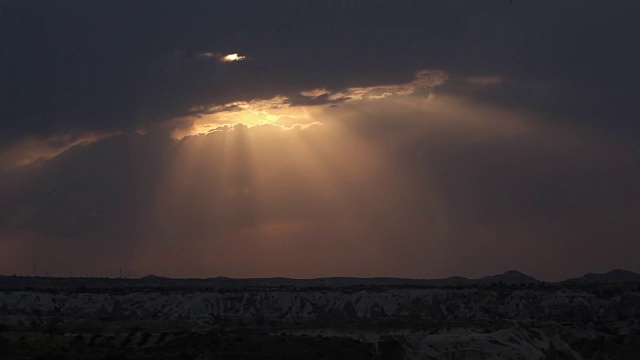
(156, 277)
(614, 276)
(511, 277)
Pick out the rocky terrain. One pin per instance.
(485, 320)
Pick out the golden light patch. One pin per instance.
(232, 57)
(424, 79)
(275, 111)
(279, 110)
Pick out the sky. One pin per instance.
(416, 139)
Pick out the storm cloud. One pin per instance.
(354, 139)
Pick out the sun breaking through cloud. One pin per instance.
(284, 112)
(232, 57)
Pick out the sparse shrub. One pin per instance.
(145, 337)
(135, 329)
(115, 356)
(186, 356)
(161, 338)
(78, 339)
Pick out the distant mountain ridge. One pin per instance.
(613, 276)
(511, 277)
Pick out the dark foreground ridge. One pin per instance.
(507, 316)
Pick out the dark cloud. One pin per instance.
(524, 157)
(119, 66)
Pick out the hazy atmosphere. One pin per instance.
(380, 138)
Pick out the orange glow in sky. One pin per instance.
(279, 111)
(232, 57)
